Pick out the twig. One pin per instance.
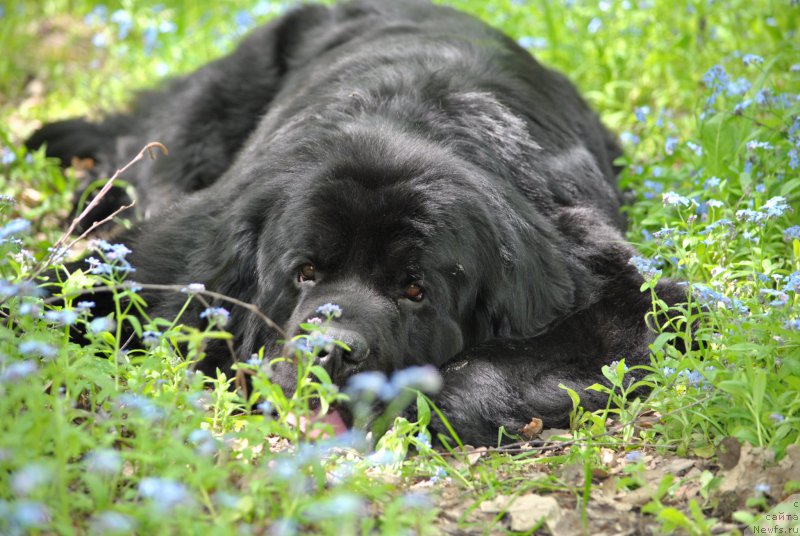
(173, 288)
(525, 446)
(97, 224)
(57, 251)
(228, 343)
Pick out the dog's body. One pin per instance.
(411, 165)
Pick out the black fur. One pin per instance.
(390, 143)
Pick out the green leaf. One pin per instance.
(576, 399)
(664, 485)
(789, 186)
(758, 388)
(720, 136)
(342, 345)
(423, 409)
(734, 387)
(597, 387)
(674, 516)
(621, 369)
(744, 517)
(697, 515)
(746, 181)
(705, 451)
(661, 340)
(320, 373)
(77, 281)
(134, 322)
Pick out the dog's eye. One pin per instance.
(306, 273)
(413, 292)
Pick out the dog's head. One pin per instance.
(422, 253)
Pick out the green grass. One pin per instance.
(133, 441)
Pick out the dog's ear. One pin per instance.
(555, 269)
(542, 279)
(534, 285)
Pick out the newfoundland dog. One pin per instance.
(415, 167)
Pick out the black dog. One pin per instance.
(410, 164)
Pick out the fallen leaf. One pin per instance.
(639, 496)
(332, 418)
(610, 502)
(757, 467)
(31, 197)
(728, 452)
(573, 474)
(568, 524)
(475, 454)
(470, 457)
(81, 164)
(678, 466)
(525, 511)
(532, 429)
(555, 434)
(690, 486)
(646, 421)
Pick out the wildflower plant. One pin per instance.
(144, 400)
(729, 210)
(314, 391)
(93, 417)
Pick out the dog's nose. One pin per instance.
(338, 356)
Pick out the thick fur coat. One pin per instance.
(453, 196)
